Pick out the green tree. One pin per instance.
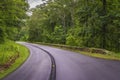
(12, 15)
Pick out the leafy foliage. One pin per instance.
(88, 23)
(12, 15)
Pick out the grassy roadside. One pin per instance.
(109, 56)
(9, 50)
(93, 52)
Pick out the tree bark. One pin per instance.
(104, 25)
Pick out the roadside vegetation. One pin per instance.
(93, 52)
(12, 20)
(12, 55)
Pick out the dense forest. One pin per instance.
(83, 23)
(12, 18)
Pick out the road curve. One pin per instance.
(37, 66)
(69, 66)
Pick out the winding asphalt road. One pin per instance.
(69, 66)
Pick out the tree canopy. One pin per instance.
(12, 15)
(85, 23)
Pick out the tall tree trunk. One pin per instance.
(104, 25)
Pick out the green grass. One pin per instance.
(9, 49)
(110, 55)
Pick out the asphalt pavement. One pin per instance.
(69, 66)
